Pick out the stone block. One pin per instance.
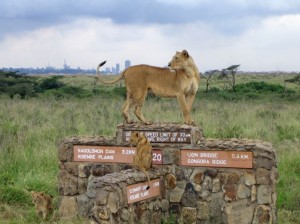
(239, 212)
(263, 176)
(249, 178)
(202, 210)
(67, 184)
(229, 192)
(190, 196)
(168, 156)
(197, 176)
(188, 215)
(216, 185)
(264, 163)
(253, 193)
(264, 194)
(243, 191)
(68, 207)
(262, 215)
(176, 195)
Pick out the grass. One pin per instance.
(30, 130)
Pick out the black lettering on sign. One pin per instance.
(163, 136)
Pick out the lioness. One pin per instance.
(180, 81)
(42, 202)
(142, 160)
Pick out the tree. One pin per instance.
(207, 76)
(295, 80)
(229, 74)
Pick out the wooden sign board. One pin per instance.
(229, 159)
(110, 154)
(138, 192)
(163, 136)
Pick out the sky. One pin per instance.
(260, 35)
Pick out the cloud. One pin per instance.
(19, 16)
(271, 45)
(255, 34)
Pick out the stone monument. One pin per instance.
(193, 179)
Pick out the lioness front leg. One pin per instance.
(184, 109)
(190, 100)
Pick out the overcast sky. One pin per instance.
(261, 35)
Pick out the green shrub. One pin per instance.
(214, 90)
(261, 87)
(51, 83)
(120, 91)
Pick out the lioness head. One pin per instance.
(180, 60)
(135, 137)
(37, 197)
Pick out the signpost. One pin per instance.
(138, 192)
(229, 159)
(110, 154)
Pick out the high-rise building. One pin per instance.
(127, 63)
(66, 67)
(117, 68)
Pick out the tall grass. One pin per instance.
(31, 129)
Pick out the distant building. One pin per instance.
(66, 67)
(127, 63)
(117, 68)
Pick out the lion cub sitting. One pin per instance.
(142, 160)
(42, 202)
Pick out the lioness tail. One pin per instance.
(107, 82)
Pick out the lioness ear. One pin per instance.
(141, 134)
(185, 53)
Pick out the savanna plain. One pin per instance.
(48, 109)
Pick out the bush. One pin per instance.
(51, 83)
(214, 90)
(261, 87)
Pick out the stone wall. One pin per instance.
(200, 194)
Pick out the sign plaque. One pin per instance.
(229, 159)
(138, 192)
(163, 136)
(110, 154)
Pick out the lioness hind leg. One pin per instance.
(126, 107)
(148, 161)
(138, 113)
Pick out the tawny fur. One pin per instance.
(142, 160)
(180, 80)
(42, 202)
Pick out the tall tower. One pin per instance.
(127, 63)
(65, 65)
(117, 68)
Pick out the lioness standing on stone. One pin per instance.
(142, 159)
(180, 80)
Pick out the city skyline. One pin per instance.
(68, 69)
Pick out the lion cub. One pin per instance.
(142, 160)
(42, 202)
